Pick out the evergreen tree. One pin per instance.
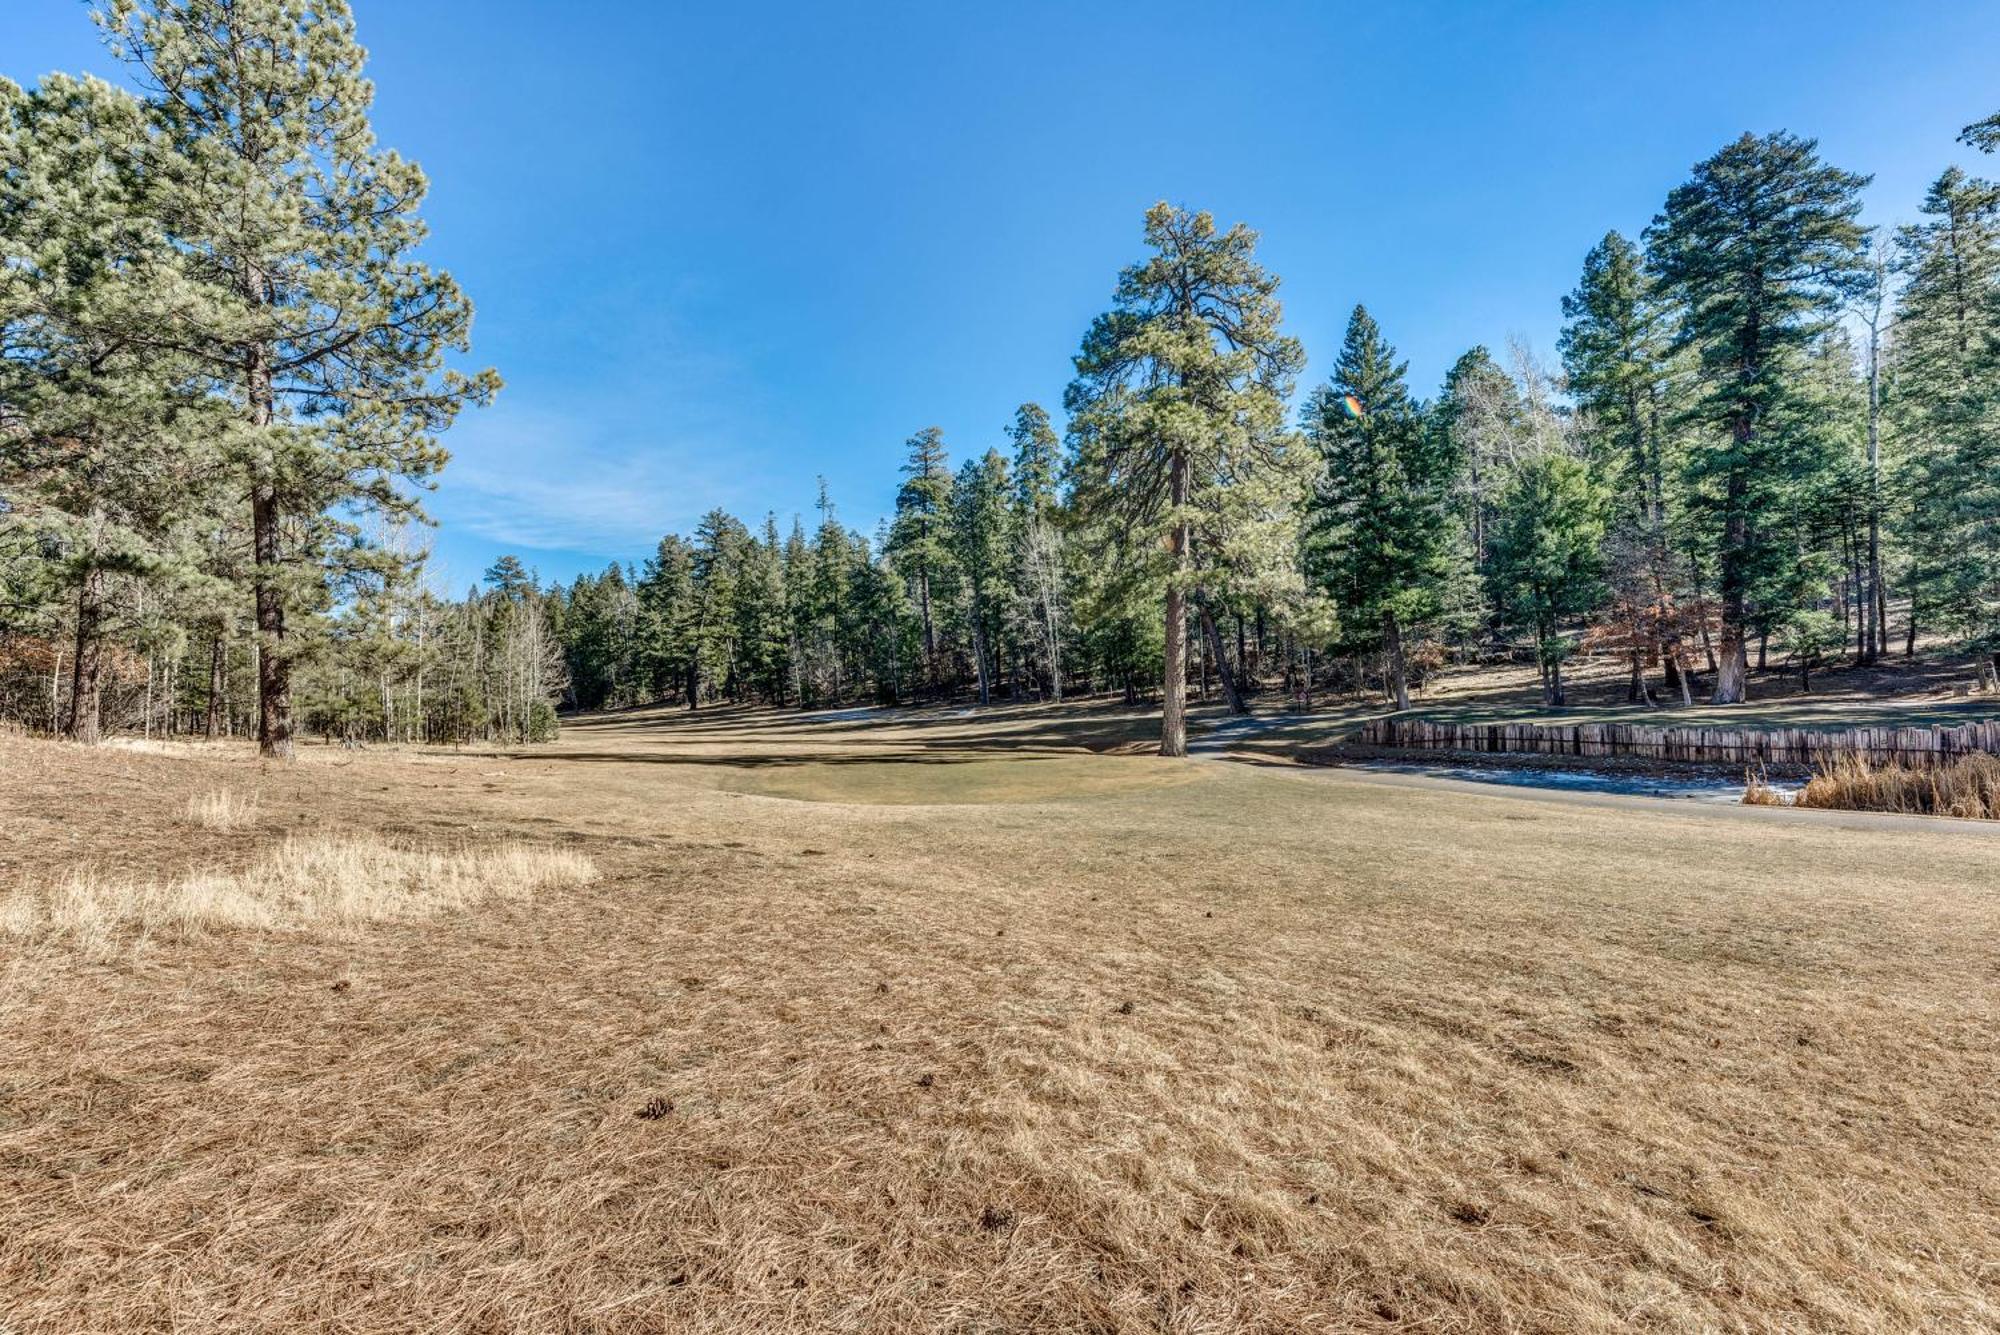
(1758, 251)
(763, 625)
(1177, 415)
(324, 322)
(918, 540)
(1041, 575)
(1983, 135)
(665, 654)
(1479, 412)
(1947, 409)
(980, 544)
(1612, 350)
(719, 541)
(1379, 525)
(109, 465)
(1037, 459)
(1548, 556)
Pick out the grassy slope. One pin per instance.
(1207, 1048)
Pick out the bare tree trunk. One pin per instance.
(930, 631)
(1399, 677)
(1639, 694)
(1733, 671)
(218, 655)
(274, 663)
(86, 667)
(1173, 695)
(1231, 690)
(979, 652)
(274, 668)
(1878, 617)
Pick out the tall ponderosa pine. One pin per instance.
(1758, 252)
(1178, 417)
(1379, 533)
(1983, 135)
(110, 463)
(330, 330)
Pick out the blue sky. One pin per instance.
(718, 250)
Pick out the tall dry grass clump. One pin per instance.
(305, 883)
(222, 810)
(1968, 786)
(1758, 792)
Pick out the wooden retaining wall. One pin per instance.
(1776, 746)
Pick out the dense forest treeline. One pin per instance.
(1768, 426)
(224, 376)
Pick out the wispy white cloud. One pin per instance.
(542, 480)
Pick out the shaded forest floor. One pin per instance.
(945, 1021)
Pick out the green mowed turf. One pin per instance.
(943, 778)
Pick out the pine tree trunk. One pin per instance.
(1399, 677)
(1733, 670)
(1877, 614)
(1557, 697)
(979, 653)
(218, 653)
(274, 668)
(1173, 696)
(274, 664)
(930, 632)
(86, 665)
(1231, 690)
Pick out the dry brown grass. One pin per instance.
(1758, 792)
(1254, 1050)
(307, 882)
(1966, 787)
(222, 810)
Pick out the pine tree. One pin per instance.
(110, 464)
(762, 611)
(1040, 586)
(1758, 251)
(719, 540)
(1983, 135)
(1177, 416)
(1612, 350)
(665, 654)
(1379, 524)
(980, 540)
(918, 538)
(325, 323)
(1947, 408)
(1548, 555)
